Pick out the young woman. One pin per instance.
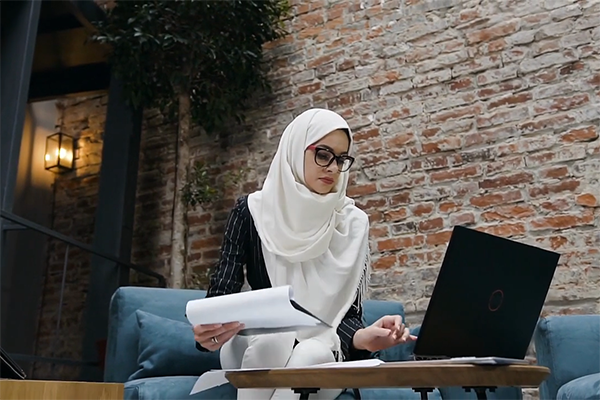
(301, 230)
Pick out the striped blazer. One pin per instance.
(242, 247)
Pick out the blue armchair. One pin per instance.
(151, 349)
(570, 346)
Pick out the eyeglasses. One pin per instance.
(324, 157)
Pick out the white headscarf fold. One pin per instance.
(316, 243)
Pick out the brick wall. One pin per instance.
(75, 198)
(464, 113)
(482, 113)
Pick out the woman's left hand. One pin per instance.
(386, 332)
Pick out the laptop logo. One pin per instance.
(496, 300)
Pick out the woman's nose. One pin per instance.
(333, 167)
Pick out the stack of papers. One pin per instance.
(470, 360)
(262, 311)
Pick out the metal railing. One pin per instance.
(26, 224)
(18, 223)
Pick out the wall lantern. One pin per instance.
(60, 150)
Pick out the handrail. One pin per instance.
(48, 232)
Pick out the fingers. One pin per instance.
(203, 334)
(405, 335)
(379, 332)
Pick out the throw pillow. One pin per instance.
(167, 348)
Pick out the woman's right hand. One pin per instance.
(213, 336)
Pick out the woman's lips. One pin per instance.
(328, 181)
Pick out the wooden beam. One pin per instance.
(74, 81)
(66, 49)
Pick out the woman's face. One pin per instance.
(319, 178)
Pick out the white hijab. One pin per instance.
(316, 243)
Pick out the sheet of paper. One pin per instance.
(267, 309)
(209, 380)
(216, 377)
(467, 360)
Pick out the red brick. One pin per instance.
(309, 20)
(562, 221)
(438, 238)
(419, 210)
(385, 262)
(554, 172)
(379, 231)
(310, 88)
(556, 205)
(488, 200)
(448, 207)
(400, 243)
(430, 132)
(510, 100)
(400, 198)
(546, 122)
(505, 230)
(561, 103)
(504, 213)
(385, 77)
(372, 203)
(400, 140)
(587, 200)
(361, 190)
(503, 87)
(324, 59)
(454, 174)
(466, 218)
(507, 180)
(580, 135)
(434, 224)
(552, 188)
(461, 84)
(441, 145)
(569, 69)
(502, 29)
(397, 214)
(457, 113)
(365, 134)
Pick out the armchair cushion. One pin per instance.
(569, 346)
(167, 347)
(584, 388)
(122, 350)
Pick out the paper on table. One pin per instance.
(216, 377)
(470, 360)
(261, 311)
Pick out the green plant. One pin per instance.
(197, 60)
(208, 50)
(201, 188)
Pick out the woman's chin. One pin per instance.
(322, 188)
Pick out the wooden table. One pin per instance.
(422, 378)
(59, 390)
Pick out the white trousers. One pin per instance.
(269, 351)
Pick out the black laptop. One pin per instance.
(487, 298)
(9, 369)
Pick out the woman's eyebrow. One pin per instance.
(324, 146)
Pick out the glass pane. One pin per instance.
(51, 156)
(66, 152)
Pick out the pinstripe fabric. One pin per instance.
(242, 246)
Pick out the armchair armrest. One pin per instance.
(570, 346)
